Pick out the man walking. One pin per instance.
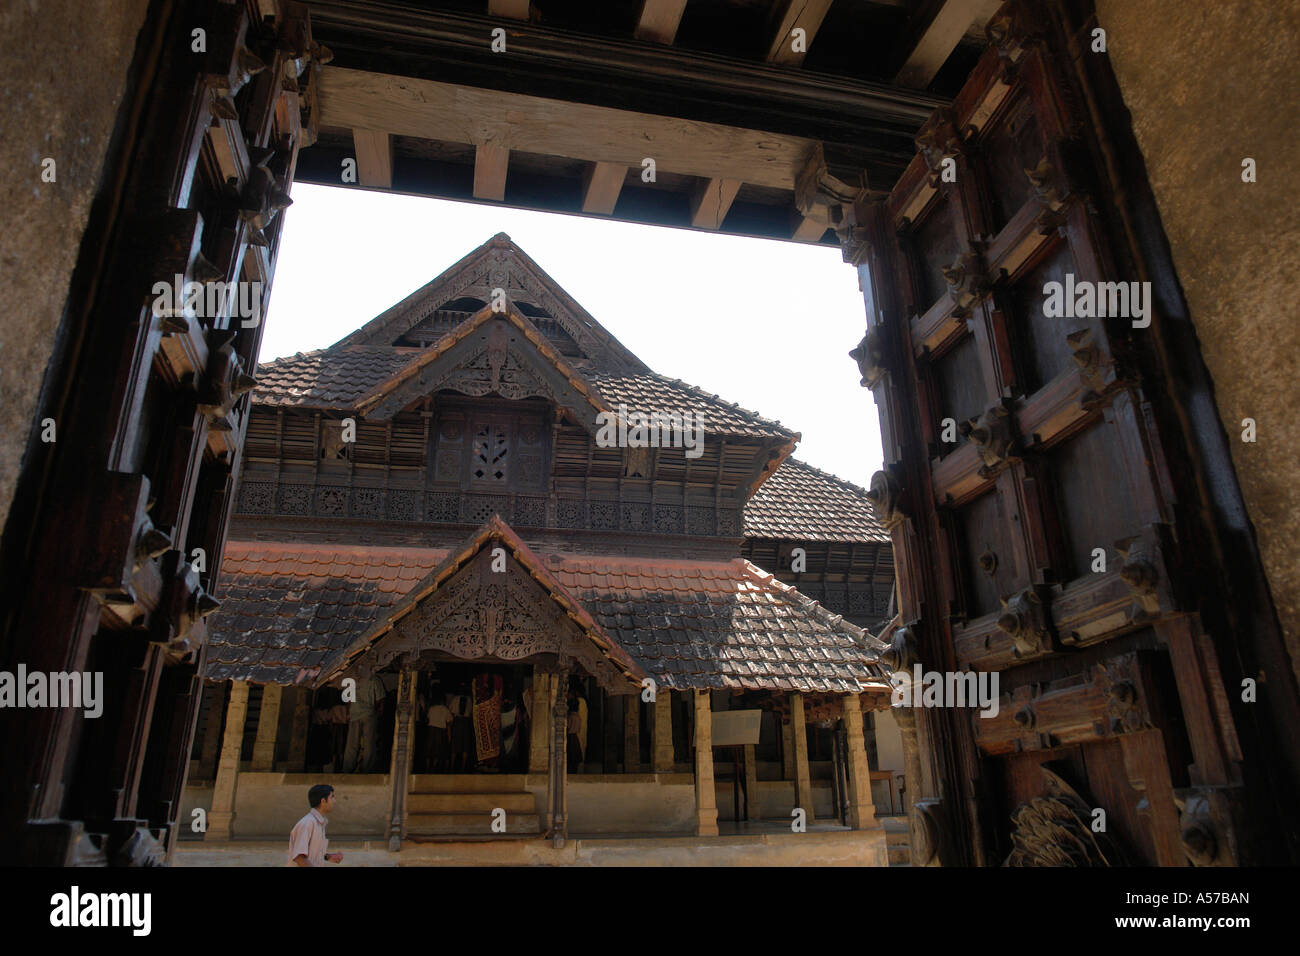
(307, 842)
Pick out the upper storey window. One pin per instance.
(487, 446)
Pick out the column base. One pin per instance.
(220, 826)
(706, 823)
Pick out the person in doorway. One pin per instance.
(307, 842)
(462, 731)
(438, 739)
(364, 715)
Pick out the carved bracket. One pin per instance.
(991, 434)
(1024, 618)
(967, 283)
(885, 495)
(177, 621)
(224, 382)
(1013, 31)
(870, 359)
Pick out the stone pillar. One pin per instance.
(214, 699)
(539, 733)
(803, 795)
(632, 733)
(399, 771)
(268, 722)
(222, 815)
(706, 800)
(862, 809)
(663, 731)
(752, 803)
(301, 729)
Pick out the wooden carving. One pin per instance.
(1013, 30)
(1024, 618)
(938, 140)
(1139, 572)
(1118, 679)
(223, 384)
(966, 283)
(901, 654)
(870, 359)
(1056, 830)
(992, 437)
(176, 622)
(1087, 356)
(885, 495)
(263, 195)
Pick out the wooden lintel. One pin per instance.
(659, 19)
(805, 15)
(601, 186)
(940, 37)
(808, 228)
(490, 164)
(445, 112)
(710, 202)
(514, 9)
(374, 149)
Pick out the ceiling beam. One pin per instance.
(514, 9)
(374, 149)
(805, 15)
(659, 19)
(444, 112)
(940, 37)
(490, 164)
(600, 187)
(875, 120)
(710, 202)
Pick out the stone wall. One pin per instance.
(63, 69)
(1208, 85)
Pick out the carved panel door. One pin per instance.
(1033, 512)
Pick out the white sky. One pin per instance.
(767, 325)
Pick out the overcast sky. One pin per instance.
(765, 324)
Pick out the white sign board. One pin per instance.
(731, 728)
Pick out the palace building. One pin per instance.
(628, 639)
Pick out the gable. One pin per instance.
(439, 306)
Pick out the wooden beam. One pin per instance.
(940, 37)
(490, 163)
(808, 228)
(450, 113)
(514, 9)
(600, 187)
(659, 19)
(374, 149)
(710, 202)
(806, 15)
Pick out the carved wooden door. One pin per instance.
(1034, 513)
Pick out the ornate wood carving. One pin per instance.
(991, 434)
(885, 495)
(1024, 619)
(870, 358)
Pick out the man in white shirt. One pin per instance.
(307, 842)
(438, 717)
(364, 715)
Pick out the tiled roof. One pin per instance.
(654, 392)
(338, 379)
(721, 624)
(325, 379)
(804, 503)
(288, 609)
(285, 608)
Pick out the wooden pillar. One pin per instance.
(214, 699)
(268, 722)
(663, 731)
(557, 795)
(222, 815)
(752, 803)
(862, 809)
(301, 729)
(539, 734)
(399, 771)
(632, 733)
(706, 799)
(803, 795)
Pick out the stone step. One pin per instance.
(896, 837)
(470, 802)
(468, 783)
(468, 824)
(900, 854)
